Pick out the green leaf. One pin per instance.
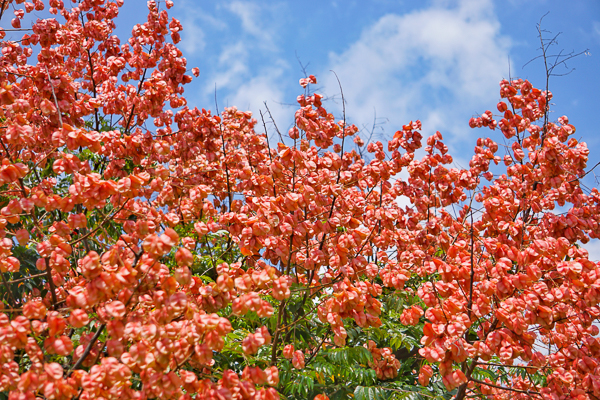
(370, 393)
(481, 374)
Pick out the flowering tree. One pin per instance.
(153, 250)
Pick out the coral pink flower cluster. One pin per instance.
(177, 254)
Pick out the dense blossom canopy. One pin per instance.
(149, 249)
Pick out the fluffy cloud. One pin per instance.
(441, 64)
(193, 37)
(250, 14)
(236, 46)
(266, 87)
(192, 41)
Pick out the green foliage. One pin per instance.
(349, 355)
(298, 384)
(20, 283)
(395, 391)
(370, 393)
(334, 371)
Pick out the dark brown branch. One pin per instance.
(126, 130)
(589, 171)
(268, 145)
(2, 8)
(87, 350)
(51, 283)
(470, 306)
(314, 353)
(276, 335)
(462, 389)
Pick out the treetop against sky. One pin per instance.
(436, 61)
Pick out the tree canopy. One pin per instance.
(152, 249)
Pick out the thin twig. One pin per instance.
(139, 89)
(268, 147)
(10, 293)
(505, 388)
(576, 179)
(108, 217)
(318, 347)
(273, 121)
(54, 96)
(27, 277)
(229, 192)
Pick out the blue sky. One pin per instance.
(437, 61)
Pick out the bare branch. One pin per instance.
(54, 95)
(273, 121)
(531, 392)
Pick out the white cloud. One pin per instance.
(267, 87)
(249, 71)
(233, 67)
(237, 85)
(192, 37)
(250, 14)
(441, 65)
